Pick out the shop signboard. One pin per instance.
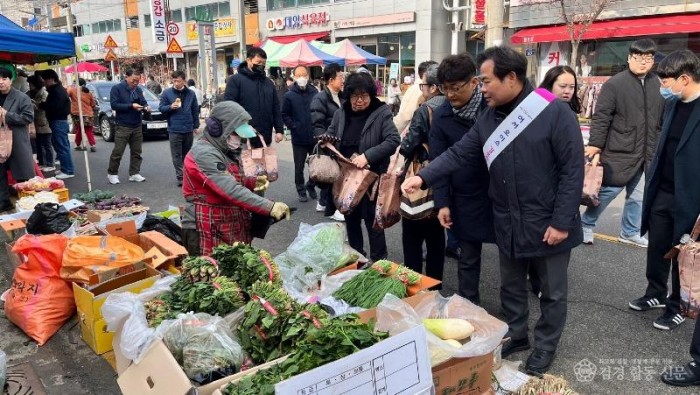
(552, 55)
(478, 13)
(394, 71)
(160, 33)
(223, 27)
(298, 21)
(390, 19)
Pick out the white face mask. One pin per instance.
(233, 141)
(302, 81)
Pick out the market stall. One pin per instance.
(350, 52)
(298, 53)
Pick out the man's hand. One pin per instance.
(360, 161)
(137, 107)
(554, 236)
(196, 131)
(279, 137)
(412, 184)
(175, 106)
(591, 151)
(147, 108)
(444, 217)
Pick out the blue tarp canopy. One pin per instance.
(21, 46)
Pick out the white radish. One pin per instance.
(449, 328)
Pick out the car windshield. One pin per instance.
(103, 93)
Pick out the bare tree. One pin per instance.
(577, 15)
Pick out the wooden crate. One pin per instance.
(63, 194)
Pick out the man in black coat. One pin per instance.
(257, 95)
(57, 108)
(535, 188)
(672, 201)
(296, 113)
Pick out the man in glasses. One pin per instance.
(624, 131)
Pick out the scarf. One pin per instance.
(469, 111)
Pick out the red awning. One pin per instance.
(673, 24)
(295, 37)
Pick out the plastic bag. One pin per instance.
(317, 250)
(164, 226)
(172, 213)
(48, 218)
(125, 312)
(203, 345)
(395, 316)
(88, 255)
(3, 369)
(40, 302)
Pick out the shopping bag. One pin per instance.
(418, 204)
(689, 268)
(260, 161)
(5, 142)
(352, 185)
(388, 210)
(323, 169)
(39, 301)
(592, 181)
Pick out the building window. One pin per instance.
(132, 22)
(78, 31)
(279, 4)
(224, 9)
(147, 20)
(175, 16)
(108, 26)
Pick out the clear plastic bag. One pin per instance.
(125, 312)
(203, 345)
(395, 316)
(3, 370)
(317, 250)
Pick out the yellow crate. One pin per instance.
(63, 194)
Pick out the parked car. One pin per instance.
(154, 124)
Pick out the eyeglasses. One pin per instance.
(362, 97)
(643, 58)
(452, 89)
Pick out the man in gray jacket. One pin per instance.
(624, 131)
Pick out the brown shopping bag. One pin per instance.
(260, 161)
(323, 169)
(592, 181)
(352, 185)
(5, 142)
(689, 268)
(388, 210)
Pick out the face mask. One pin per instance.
(233, 142)
(302, 82)
(259, 68)
(668, 93)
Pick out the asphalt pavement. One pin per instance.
(606, 348)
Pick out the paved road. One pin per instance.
(621, 349)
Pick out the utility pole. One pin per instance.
(494, 23)
(455, 9)
(241, 23)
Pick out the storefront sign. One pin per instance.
(223, 27)
(160, 33)
(552, 55)
(298, 21)
(403, 17)
(479, 13)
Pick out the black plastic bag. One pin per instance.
(48, 218)
(164, 226)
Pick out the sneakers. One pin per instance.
(63, 176)
(93, 149)
(587, 235)
(113, 179)
(669, 321)
(302, 197)
(320, 208)
(137, 178)
(48, 168)
(337, 216)
(636, 240)
(646, 303)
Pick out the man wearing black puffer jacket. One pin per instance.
(257, 95)
(296, 114)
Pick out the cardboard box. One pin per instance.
(161, 252)
(352, 266)
(63, 194)
(93, 328)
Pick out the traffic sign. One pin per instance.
(111, 56)
(173, 28)
(110, 43)
(174, 49)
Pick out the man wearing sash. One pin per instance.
(531, 143)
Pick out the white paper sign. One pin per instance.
(397, 365)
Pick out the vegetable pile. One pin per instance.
(37, 184)
(246, 264)
(94, 196)
(122, 201)
(368, 288)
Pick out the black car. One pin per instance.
(154, 124)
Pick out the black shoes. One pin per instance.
(312, 192)
(455, 253)
(682, 376)
(514, 346)
(302, 197)
(539, 362)
(646, 303)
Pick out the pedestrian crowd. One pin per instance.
(488, 157)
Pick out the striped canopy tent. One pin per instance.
(349, 51)
(300, 53)
(270, 46)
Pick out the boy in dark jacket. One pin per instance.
(179, 104)
(257, 95)
(127, 100)
(296, 113)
